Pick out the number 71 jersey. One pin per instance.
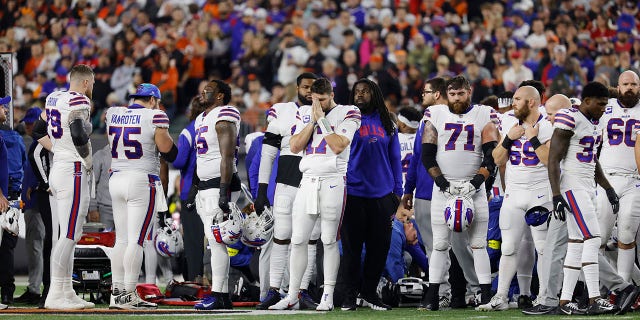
(132, 138)
(460, 138)
(581, 157)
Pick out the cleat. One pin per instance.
(306, 301)
(326, 303)
(350, 303)
(86, 304)
(62, 304)
(497, 303)
(131, 301)
(601, 306)
(524, 302)
(28, 297)
(273, 296)
(287, 303)
(445, 302)
(571, 308)
(430, 299)
(226, 301)
(626, 299)
(375, 303)
(540, 309)
(210, 302)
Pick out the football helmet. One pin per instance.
(229, 231)
(536, 216)
(458, 213)
(168, 242)
(411, 287)
(9, 220)
(257, 230)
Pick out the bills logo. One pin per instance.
(216, 233)
(306, 119)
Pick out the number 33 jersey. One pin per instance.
(460, 138)
(132, 138)
(58, 108)
(207, 146)
(580, 160)
(318, 159)
(524, 168)
(619, 124)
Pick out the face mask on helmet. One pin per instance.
(257, 230)
(536, 216)
(458, 213)
(230, 230)
(168, 242)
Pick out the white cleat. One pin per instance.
(3, 306)
(131, 301)
(287, 303)
(326, 303)
(62, 304)
(73, 297)
(497, 303)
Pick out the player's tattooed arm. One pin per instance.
(558, 150)
(429, 133)
(428, 155)
(299, 140)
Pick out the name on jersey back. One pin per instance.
(125, 119)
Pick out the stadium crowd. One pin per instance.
(389, 51)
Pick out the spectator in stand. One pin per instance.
(517, 73)
(556, 66)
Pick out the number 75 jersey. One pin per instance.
(460, 138)
(132, 138)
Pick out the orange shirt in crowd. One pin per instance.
(166, 81)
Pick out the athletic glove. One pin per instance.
(262, 200)
(223, 201)
(560, 208)
(442, 183)
(613, 199)
(190, 202)
(466, 189)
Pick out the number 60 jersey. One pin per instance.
(460, 138)
(132, 137)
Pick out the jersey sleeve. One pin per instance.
(303, 114)
(160, 120)
(350, 124)
(493, 116)
(228, 113)
(273, 124)
(564, 120)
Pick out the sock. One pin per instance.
(219, 266)
(482, 265)
(311, 266)
(277, 264)
(626, 262)
(132, 263)
(571, 270)
(436, 265)
(298, 263)
(150, 261)
(591, 277)
(524, 283)
(507, 269)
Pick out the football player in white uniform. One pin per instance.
(324, 132)
(136, 134)
(524, 149)
(408, 123)
(618, 163)
(67, 133)
(216, 143)
(457, 147)
(574, 142)
(282, 119)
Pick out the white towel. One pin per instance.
(311, 191)
(161, 201)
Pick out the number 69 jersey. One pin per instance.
(619, 140)
(207, 146)
(59, 106)
(460, 138)
(318, 159)
(525, 171)
(132, 138)
(580, 160)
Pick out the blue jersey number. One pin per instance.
(201, 143)
(457, 129)
(523, 153)
(53, 118)
(619, 131)
(588, 154)
(134, 147)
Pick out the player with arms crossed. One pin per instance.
(524, 150)
(574, 145)
(136, 134)
(324, 133)
(216, 144)
(64, 129)
(457, 144)
(282, 119)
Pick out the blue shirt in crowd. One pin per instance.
(418, 178)
(252, 163)
(186, 159)
(375, 168)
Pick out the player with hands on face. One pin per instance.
(576, 137)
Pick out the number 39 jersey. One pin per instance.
(580, 160)
(207, 147)
(524, 168)
(132, 138)
(619, 138)
(318, 159)
(59, 106)
(460, 138)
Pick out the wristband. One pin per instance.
(441, 182)
(477, 180)
(535, 143)
(507, 142)
(224, 190)
(325, 126)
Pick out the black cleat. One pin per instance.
(28, 297)
(626, 299)
(601, 306)
(540, 309)
(571, 308)
(273, 297)
(524, 302)
(430, 299)
(375, 303)
(305, 301)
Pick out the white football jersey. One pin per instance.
(524, 168)
(617, 154)
(132, 138)
(58, 107)
(207, 147)
(580, 160)
(460, 138)
(282, 119)
(318, 159)
(406, 151)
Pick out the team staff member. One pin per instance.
(374, 188)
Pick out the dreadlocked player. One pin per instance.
(374, 188)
